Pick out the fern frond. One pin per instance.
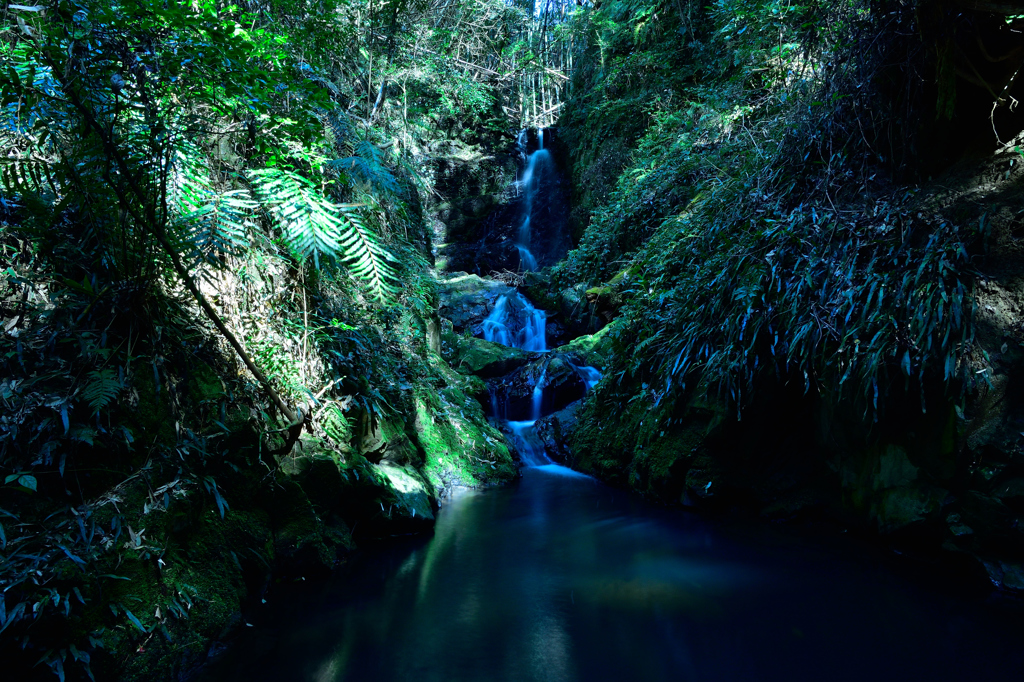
(341, 130)
(102, 389)
(210, 222)
(366, 258)
(23, 175)
(314, 226)
(366, 165)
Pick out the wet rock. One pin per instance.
(413, 506)
(553, 432)
(1006, 574)
(483, 358)
(466, 300)
(904, 505)
(698, 488)
(959, 529)
(561, 384)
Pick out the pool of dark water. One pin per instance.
(561, 578)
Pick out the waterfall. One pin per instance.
(537, 164)
(589, 374)
(515, 322)
(538, 395)
(528, 443)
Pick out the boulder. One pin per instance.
(904, 505)
(413, 506)
(1006, 574)
(553, 432)
(590, 349)
(388, 441)
(471, 355)
(466, 300)
(560, 380)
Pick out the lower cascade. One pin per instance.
(514, 322)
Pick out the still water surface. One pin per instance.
(561, 578)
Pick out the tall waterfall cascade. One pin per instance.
(516, 322)
(538, 164)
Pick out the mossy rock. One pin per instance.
(901, 506)
(466, 299)
(485, 358)
(537, 287)
(414, 503)
(593, 349)
(388, 440)
(461, 448)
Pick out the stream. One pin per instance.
(560, 578)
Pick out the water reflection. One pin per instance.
(561, 578)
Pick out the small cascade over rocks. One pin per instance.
(515, 322)
(589, 374)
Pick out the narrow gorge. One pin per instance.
(503, 340)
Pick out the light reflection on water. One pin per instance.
(561, 578)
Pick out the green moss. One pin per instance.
(596, 349)
(204, 384)
(461, 448)
(484, 358)
(629, 447)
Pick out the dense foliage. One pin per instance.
(213, 240)
(741, 171)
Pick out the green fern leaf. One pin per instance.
(366, 166)
(209, 222)
(102, 389)
(314, 226)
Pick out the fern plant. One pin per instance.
(102, 389)
(366, 166)
(314, 226)
(209, 222)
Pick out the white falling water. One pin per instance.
(528, 443)
(538, 395)
(529, 184)
(589, 374)
(515, 322)
(526, 259)
(521, 142)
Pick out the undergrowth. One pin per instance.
(764, 222)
